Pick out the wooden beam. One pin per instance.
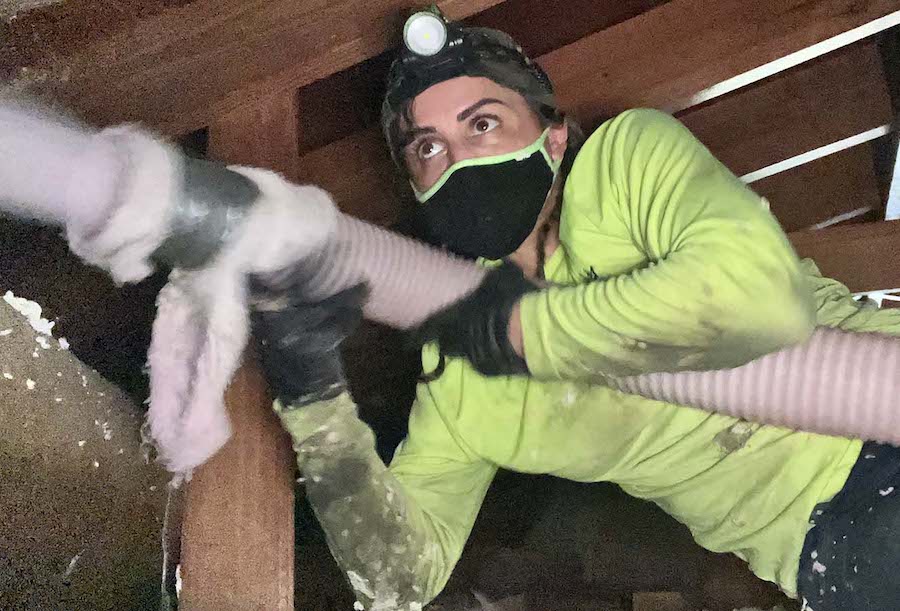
(667, 56)
(836, 97)
(237, 548)
(238, 532)
(864, 257)
(262, 134)
(813, 193)
(360, 175)
(540, 26)
(176, 69)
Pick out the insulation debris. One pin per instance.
(72, 563)
(31, 311)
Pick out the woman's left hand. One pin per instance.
(485, 327)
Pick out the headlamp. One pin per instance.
(425, 34)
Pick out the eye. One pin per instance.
(429, 149)
(482, 125)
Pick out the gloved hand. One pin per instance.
(477, 326)
(299, 340)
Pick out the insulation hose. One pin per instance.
(408, 281)
(835, 383)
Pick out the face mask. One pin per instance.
(486, 207)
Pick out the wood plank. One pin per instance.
(864, 257)
(238, 532)
(176, 69)
(839, 96)
(350, 101)
(360, 175)
(823, 189)
(664, 57)
(270, 135)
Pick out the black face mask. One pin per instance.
(487, 207)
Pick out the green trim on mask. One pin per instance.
(520, 155)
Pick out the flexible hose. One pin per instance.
(836, 383)
(408, 281)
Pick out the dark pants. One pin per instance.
(851, 557)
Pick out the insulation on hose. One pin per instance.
(54, 169)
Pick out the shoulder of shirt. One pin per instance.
(631, 123)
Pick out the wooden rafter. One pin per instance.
(864, 257)
(178, 68)
(667, 56)
(238, 532)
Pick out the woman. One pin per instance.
(659, 259)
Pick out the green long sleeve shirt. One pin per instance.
(667, 262)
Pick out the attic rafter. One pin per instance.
(863, 256)
(687, 51)
(177, 68)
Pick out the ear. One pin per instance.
(557, 140)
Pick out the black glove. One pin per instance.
(299, 341)
(477, 326)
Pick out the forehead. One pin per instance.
(444, 101)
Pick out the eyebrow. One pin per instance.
(471, 110)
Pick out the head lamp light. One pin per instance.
(425, 34)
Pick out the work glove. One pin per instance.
(476, 327)
(299, 340)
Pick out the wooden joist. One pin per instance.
(178, 68)
(864, 257)
(667, 56)
(844, 183)
(360, 175)
(813, 105)
(238, 532)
